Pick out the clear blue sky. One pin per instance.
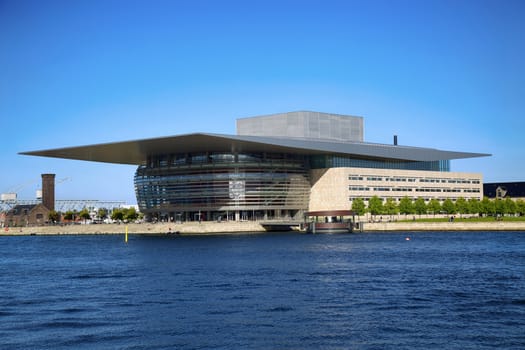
(443, 74)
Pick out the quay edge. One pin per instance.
(204, 228)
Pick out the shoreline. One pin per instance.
(445, 226)
(220, 228)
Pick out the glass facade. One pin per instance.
(329, 161)
(216, 186)
(241, 186)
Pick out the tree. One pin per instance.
(84, 214)
(375, 205)
(420, 206)
(54, 216)
(520, 207)
(462, 206)
(70, 215)
(434, 206)
(390, 207)
(474, 206)
(406, 206)
(117, 214)
(510, 206)
(448, 206)
(358, 206)
(130, 214)
(102, 213)
(487, 206)
(499, 207)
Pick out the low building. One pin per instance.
(34, 214)
(27, 215)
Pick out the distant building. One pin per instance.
(514, 190)
(27, 215)
(34, 214)
(278, 166)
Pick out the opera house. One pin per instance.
(277, 166)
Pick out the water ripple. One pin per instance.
(289, 291)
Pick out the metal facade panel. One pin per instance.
(304, 124)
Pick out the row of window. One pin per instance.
(398, 199)
(413, 179)
(409, 189)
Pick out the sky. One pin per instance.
(440, 74)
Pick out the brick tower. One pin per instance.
(48, 191)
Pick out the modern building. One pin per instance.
(277, 166)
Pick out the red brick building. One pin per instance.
(27, 215)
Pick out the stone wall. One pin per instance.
(329, 189)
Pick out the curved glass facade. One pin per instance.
(216, 186)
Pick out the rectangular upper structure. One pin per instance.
(304, 124)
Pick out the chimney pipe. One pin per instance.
(48, 191)
(395, 140)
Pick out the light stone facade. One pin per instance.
(336, 188)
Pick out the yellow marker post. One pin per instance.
(126, 237)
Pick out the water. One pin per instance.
(438, 290)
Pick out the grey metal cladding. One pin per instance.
(304, 124)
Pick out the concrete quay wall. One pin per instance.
(146, 228)
(203, 228)
(445, 226)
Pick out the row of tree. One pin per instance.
(117, 214)
(376, 206)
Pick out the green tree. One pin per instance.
(406, 206)
(70, 215)
(520, 207)
(462, 206)
(390, 207)
(102, 213)
(84, 214)
(54, 216)
(474, 206)
(375, 205)
(130, 214)
(487, 206)
(420, 206)
(510, 206)
(448, 206)
(358, 206)
(499, 207)
(434, 206)
(117, 214)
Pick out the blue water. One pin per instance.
(438, 290)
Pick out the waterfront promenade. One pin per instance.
(250, 227)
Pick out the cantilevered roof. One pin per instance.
(136, 152)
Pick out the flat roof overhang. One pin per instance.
(136, 152)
